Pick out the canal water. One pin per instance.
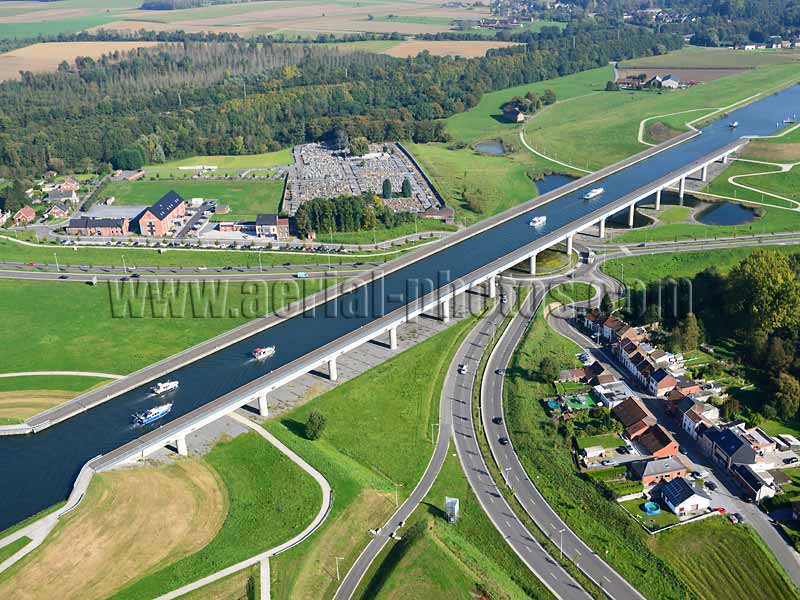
(38, 470)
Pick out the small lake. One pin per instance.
(494, 147)
(551, 182)
(726, 213)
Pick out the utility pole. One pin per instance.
(124, 266)
(338, 558)
(561, 544)
(56, 257)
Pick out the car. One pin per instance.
(503, 441)
(701, 474)
(202, 268)
(739, 517)
(711, 485)
(791, 460)
(504, 298)
(721, 510)
(499, 371)
(622, 449)
(462, 369)
(497, 420)
(609, 462)
(301, 275)
(733, 519)
(63, 277)
(31, 264)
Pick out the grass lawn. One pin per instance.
(721, 560)
(614, 117)
(382, 234)
(436, 560)
(11, 549)
(242, 585)
(652, 522)
(674, 214)
(243, 161)
(498, 182)
(569, 293)
(34, 28)
(271, 500)
(245, 198)
(485, 119)
(23, 397)
(774, 220)
(76, 327)
(394, 405)
(713, 58)
(608, 440)
(783, 184)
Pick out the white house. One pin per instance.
(683, 498)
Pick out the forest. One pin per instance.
(347, 213)
(186, 98)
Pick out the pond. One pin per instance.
(726, 213)
(493, 147)
(551, 182)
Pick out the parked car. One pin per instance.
(791, 460)
(701, 474)
(504, 298)
(739, 517)
(609, 462)
(711, 485)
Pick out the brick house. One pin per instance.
(24, 216)
(634, 416)
(659, 442)
(70, 184)
(88, 226)
(157, 220)
(661, 382)
(657, 470)
(57, 211)
(271, 225)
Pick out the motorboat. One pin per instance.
(593, 193)
(263, 353)
(733, 125)
(537, 221)
(162, 387)
(154, 414)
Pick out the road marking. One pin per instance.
(607, 579)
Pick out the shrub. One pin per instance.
(315, 425)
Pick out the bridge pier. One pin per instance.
(602, 227)
(658, 198)
(333, 375)
(631, 214)
(682, 189)
(532, 263)
(393, 338)
(569, 244)
(704, 173)
(492, 287)
(181, 447)
(444, 311)
(263, 406)
(724, 159)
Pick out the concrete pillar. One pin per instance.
(603, 227)
(492, 287)
(180, 444)
(444, 311)
(682, 189)
(631, 214)
(332, 373)
(264, 580)
(263, 406)
(725, 160)
(658, 199)
(569, 243)
(532, 264)
(704, 173)
(393, 338)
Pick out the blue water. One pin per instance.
(37, 471)
(495, 148)
(727, 213)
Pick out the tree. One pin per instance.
(787, 395)
(315, 425)
(406, 191)
(611, 86)
(359, 146)
(301, 221)
(387, 189)
(763, 292)
(129, 159)
(606, 305)
(729, 408)
(779, 356)
(549, 369)
(340, 139)
(549, 96)
(687, 334)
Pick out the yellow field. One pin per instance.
(444, 48)
(25, 404)
(100, 547)
(46, 57)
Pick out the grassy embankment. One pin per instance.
(23, 397)
(781, 183)
(658, 569)
(11, 549)
(377, 440)
(697, 57)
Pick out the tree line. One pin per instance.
(348, 213)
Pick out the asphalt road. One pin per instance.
(594, 567)
(202, 276)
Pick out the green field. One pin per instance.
(245, 198)
(259, 516)
(674, 214)
(784, 184)
(498, 183)
(413, 20)
(243, 161)
(11, 549)
(378, 435)
(32, 29)
(613, 117)
(697, 57)
(484, 121)
(85, 328)
(382, 234)
(652, 522)
(775, 220)
(608, 440)
(439, 561)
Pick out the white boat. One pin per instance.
(733, 125)
(593, 193)
(154, 414)
(263, 353)
(162, 387)
(537, 221)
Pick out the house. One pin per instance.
(57, 211)
(658, 442)
(611, 326)
(593, 452)
(670, 82)
(687, 385)
(24, 216)
(593, 320)
(120, 175)
(694, 413)
(69, 185)
(661, 382)
(4, 217)
(683, 499)
(611, 394)
(634, 416)
(157, 220)
(89, 226)
(756, 485)
(62, 196)
(230, 226)
(657, 470)
(271, 225)
(726, 448)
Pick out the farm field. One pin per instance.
(243, 161)
(445, 48)
(99, 547)
(614, 117)
(47, 57)
(364, 462)
(79, 326)
(439, 561)
(696, 57)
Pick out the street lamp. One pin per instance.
(561, 542)
(338, 558)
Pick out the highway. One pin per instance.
(39, 470)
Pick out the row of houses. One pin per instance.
(155, 221)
